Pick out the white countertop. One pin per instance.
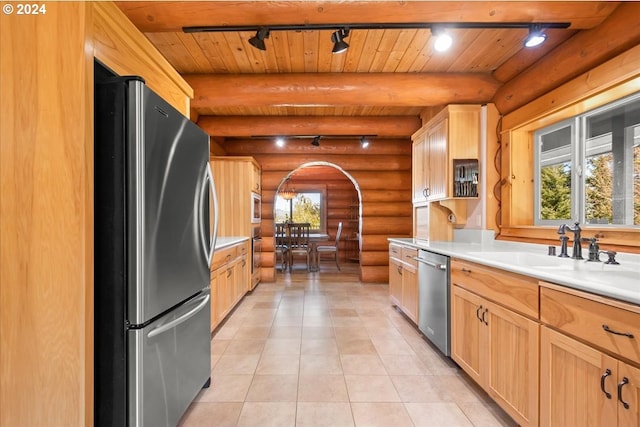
(223, 242)
(621, 282)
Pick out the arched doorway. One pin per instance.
(338, 194)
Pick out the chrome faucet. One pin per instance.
(577, 247)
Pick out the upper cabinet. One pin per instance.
(237, 181)
(445, 151)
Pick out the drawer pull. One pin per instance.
(602, 378)
(611, 331)
(478, 313)
(624, 381)
(464, 270)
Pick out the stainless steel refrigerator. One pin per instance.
(154, 239)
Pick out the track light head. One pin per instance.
(363, 142)
(536, 37)
(339, 45)
(443, 40)
(316, 141)
(257, 41)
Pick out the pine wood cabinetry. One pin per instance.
(491, 341)
(590, 358)
(229, 280)
(454, 133)
(403, 279)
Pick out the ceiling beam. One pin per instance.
(341, 89)
(151, 16)
(248, 126)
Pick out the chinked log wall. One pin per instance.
(382, 172)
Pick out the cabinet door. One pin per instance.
(511, 377)
(438, 175)
(630, 393)
(395, 282)
(241, 276)
(410, 292)
(255, 181)
(573, 381)
(419, 167)
(466, 331)
(222, 292)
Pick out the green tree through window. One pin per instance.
(556, 192)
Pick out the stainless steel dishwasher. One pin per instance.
(433, 308)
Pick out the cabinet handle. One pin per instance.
(602, 378)
(611, 331)
(478, 313)
(400, 271)
(229, 271)
(624, 381)
(464, 270)
(486, 310)
(425, 193)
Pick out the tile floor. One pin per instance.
(324, 349)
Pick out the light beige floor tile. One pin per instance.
(285, 332)
(287, 321)
(218, 346)
(214, 359)
(347, 321)
(201, 414)
(362, 364)
(461, 388)
(309, 321)
(371, 388)
(252, 332)
(282, 346)
(274, 364)
(226, 332)
(322, 388)
(380, 415)
(350, 333)
(420, 388)
(267, 414)
(482, 415)
(317, 332)
(236, 364)
(317, 311)
(327, 364)
(394, 346)
(356, 346)
(343, 312)
(273, 304)
(437, 414)
(319, 346)
(273, 388)
(404, 365)
(226, 388)
(324, 414)
(238, 346)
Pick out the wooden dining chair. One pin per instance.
(281, 241)
(330, 249)
(299, 243)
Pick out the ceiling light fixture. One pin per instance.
(536, 37)
(443, 40)
(257, 41)
(287, 192)
(316, 141)
(339, 45)
(280, 142)
(363, 142)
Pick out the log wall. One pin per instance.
(382, 173)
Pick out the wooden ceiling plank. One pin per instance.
(210, 49)
(162, 16)
(311, 42)
(402, 47)
(374, 46)
(200, 60)
(279, 42)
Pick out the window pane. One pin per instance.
(306, 208)
(555, 175)
(611, 183)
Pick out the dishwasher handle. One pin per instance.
(437, 266)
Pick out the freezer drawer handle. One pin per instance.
(431, 264)
(181, 319)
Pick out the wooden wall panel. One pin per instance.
(46, 169)
(382, 173)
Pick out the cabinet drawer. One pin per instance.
(395, 251)
(586, 319)
(408, 255)
(519, 293)
(223, 256)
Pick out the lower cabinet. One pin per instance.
(229, 280)
(498, 348)
(583, 387)
(403, 279)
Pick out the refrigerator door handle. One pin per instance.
(208, 185)
(175, 322)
